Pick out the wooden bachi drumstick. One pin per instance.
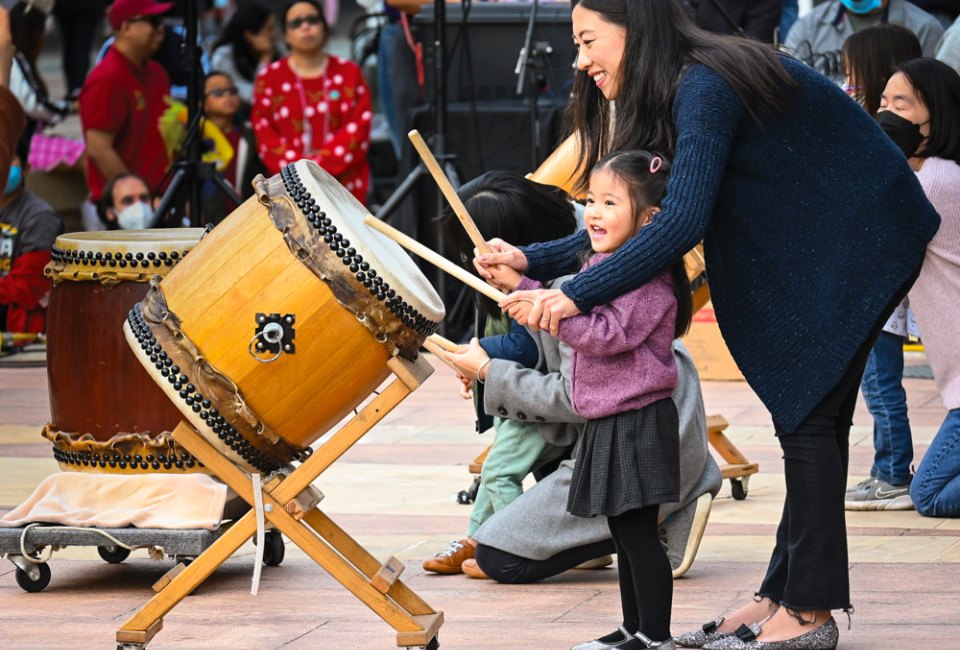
(437, 350)
(447, 188)
(437, 260)
(442, 343)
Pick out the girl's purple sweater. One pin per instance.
(622, 351)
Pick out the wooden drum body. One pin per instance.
(295, 260)
(107, 415)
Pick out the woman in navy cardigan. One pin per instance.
(802, 277)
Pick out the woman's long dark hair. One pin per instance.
(938, 87)
(512, 208)
(26, 30)
(661, 41)
(249, 17)
(647, 188)
(871, 55)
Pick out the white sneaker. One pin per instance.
(681, 533)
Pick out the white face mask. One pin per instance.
(135, 217)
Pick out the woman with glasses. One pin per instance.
(313, 105)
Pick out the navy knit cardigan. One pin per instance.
(811, 223)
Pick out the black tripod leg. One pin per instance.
(401, 192)
(168, 197)
(226, 188)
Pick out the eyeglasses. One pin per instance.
(155, 21)
(313, 20)
(223, 92)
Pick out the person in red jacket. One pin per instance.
(313, 105)
(28, 228)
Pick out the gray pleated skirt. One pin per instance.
(627, 461)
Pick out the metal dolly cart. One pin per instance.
(24, 547)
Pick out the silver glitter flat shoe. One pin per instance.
(825, 637)
(697, 638)
(597, 644)
(708, 634)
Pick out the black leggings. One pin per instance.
(513, 569)
(646, 580)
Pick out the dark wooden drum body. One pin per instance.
(107, 415)
(296, 259)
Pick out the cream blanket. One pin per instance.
(115, 501)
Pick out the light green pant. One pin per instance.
(517, 450)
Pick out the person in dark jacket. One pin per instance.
(798, 294)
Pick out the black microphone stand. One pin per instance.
(526, 64)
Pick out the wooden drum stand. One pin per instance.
(376, 584)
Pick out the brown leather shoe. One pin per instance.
(449, 561)
(472, 569)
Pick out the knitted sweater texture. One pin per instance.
(811, 222)
(935, 296)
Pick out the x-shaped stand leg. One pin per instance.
(314, 532)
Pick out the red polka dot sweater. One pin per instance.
(325, 119)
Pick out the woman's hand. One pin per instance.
(502, 266)
(468, 359)
(544, 308)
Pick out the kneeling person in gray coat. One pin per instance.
(535, 537)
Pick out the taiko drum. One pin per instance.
(107, 414)
(282, 320)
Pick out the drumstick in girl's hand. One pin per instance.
(447, 188)
(436, 259)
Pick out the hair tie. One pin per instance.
(655, 164)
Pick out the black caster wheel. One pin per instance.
(738, 487)
(34, 586)
(474, 488)
(463, 498)
(273, 550)
(434, 644)
(113, 554)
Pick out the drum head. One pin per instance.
(120, 253)
(385, 256)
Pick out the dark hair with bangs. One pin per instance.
(512, 208)
(661, 41)
(871, 55)
(250, 17)
(316, 5)
(646, 189)
(938, 87)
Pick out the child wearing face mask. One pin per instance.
(28, 228)
(623, 376)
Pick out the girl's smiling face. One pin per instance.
(609, 214)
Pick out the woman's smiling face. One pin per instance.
(600, 48)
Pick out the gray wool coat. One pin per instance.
(537, 525)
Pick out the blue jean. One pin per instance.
(389, 34)
(936, 487)
(882, 388)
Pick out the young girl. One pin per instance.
(623, 376)
(502, 205)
